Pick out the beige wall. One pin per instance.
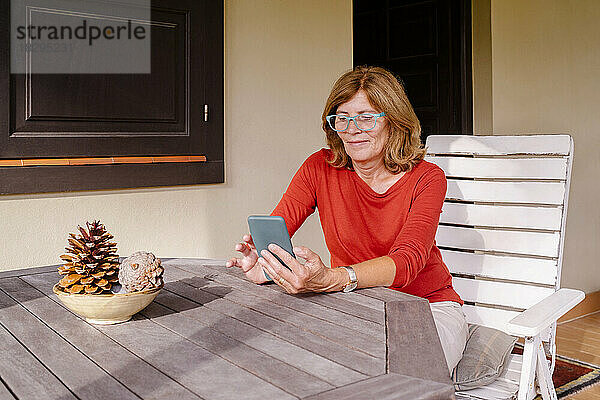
(545, 78)
(535, 68)
(282, 57)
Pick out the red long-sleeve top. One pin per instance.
(360, 224)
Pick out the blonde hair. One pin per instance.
(403, 149)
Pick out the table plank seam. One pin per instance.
(379, 293)
(163, 300)
(216, 354)
(63, 338)
(235, 273)
(326, 302)
(141, 317)
(278, 303)
(281, 337)
(222, 336)
(275, 289)
(37, 359)
(29, 351)
(310, 315)
(345, 343)
(55, 300)
(288, 322)
(365, 369)
(66, 340)
(233, 338)
(272, 317)
(365, 301)
(220, 356)
(8, 389)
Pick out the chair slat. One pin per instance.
(518, 168)
(494, 318)
(513, 368)
(491, 317)
(502, 216)
(500, 293)
(499, 145)
(506, 192)
(497, 390)
(507, 383)
(533, 270)
(518, 242)
(522, 171)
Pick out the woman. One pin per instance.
(379, 204)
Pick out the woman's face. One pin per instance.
(363, 146)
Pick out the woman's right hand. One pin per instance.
(248, 263)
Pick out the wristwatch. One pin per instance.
(353, 282)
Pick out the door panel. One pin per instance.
(428, 45)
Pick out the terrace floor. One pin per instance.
(580, 339)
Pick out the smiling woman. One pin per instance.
(366, 138)
(374, 92)
(379, 204)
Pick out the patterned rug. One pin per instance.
(570, 376)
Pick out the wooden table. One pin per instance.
(211, 334)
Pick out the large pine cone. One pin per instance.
(140, 271)
(91, 263)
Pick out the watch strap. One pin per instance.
(353, 282)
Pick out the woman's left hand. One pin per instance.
(313, 276)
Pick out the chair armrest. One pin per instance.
(541, 315)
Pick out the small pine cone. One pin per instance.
(141, 271)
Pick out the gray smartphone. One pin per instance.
(267, 229)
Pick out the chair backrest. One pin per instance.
(502, 226)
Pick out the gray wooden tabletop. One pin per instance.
(211, 334)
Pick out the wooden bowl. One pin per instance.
(106, 309)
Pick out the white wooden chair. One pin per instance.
(501, 234)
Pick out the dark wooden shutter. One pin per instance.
(124, 125)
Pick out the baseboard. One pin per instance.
(589, 305)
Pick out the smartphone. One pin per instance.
(267, 229)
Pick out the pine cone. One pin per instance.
(91, 262)
(141, 271)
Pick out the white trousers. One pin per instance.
(452, 329)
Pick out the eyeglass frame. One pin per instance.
(353, 119)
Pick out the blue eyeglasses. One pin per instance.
(363, 122)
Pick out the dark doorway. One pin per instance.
(428, 45)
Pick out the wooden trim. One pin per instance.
(11, 163)
(61, 178)
(589, 305)
(29, 162)
(132, 160)
(44, 161)
(170, 159)
(90, 160)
